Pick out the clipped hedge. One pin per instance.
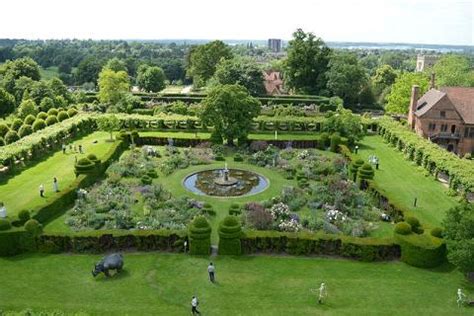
(199, 236)
(428, 154)
(423, 251)
(230, 230)
(103, 241)
(364, 249)
(15, 242)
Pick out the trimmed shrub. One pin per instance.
(3, 129)
(33, 227)
(415, 224)
(84, 166)
(42, 115)
(200, 236)
(71, 112)
(219, 157)
(30, 119)
(16, 124)
(208, 209)
(2, 141)
(230, 231)
(11, 137)
(324, 141)
(93, 158)
(62, 116)
(51, 120)
(355, 167)
(235, 209)
(146, 179)
(365, 173)
(152, 174)
(24, 215)
(53, 112)
(5, 224)
(25, 130)
(437, 232)
(238, 158)
(334, 142)
(423, 251)
(403, 228)
(39, 124)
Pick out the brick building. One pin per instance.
(445, 116)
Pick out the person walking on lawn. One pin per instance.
(211, 269)
(194, 305)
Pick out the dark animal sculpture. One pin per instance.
(110, 262)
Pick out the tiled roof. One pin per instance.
(463, 100)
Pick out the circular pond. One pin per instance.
(225, 182)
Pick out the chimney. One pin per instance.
(415, 91)
(432, 82)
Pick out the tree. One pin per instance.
(459, 236)
(7, 103)
(87, 70)
(244, 72)
(454, 71)
(203, 61)
(116, 65)
(398, 100)
(26, 108)
(344, 122)
(14, 70)
(307, 63)
(151, 78)
(384, 76)
(108, 123)
(112, 86)
(346, 78)
(231, 110)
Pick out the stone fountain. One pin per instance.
(225, 179)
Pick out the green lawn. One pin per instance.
(163, 284)
(252, 136)
(21, 191)
(402, 181)
(172, 89)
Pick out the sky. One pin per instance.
(395, 21)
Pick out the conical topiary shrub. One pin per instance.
(365, 173)
(354, 167)
(200, 236)
(230, 231)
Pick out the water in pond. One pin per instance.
(209, 182)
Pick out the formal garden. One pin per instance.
(282, 194)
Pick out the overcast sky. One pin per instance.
(409, 21)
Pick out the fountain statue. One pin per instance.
(225, 179)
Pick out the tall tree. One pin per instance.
(108, 123)
(307, 63)
(204, 59)
(151, 78)
(112, 86)
(454, 71)
(7, 103)
(14, 70)
(244, 72)
(230, 109)
(346, 77)
(116, 64)
(88, 70)
(398, 100)
(459, 235)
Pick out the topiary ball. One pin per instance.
(5, 224)
(437, 232)
(3, 130)
(71, 112)
(30, 119)
(52, 112)
(413, 221)
(51, 120)
(32, 226)
(11, 137)
(24, 215)
(42, 116)
(403, 228)
(16, 124)
(62, 116)
(146, 179)
(92, 157)
(25, 130)
(39, 124)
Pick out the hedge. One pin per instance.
(199, 236)
(429, 155)
(230, 230)
(423, 251)
(365, 249)
(15, 242)
(104, 241)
